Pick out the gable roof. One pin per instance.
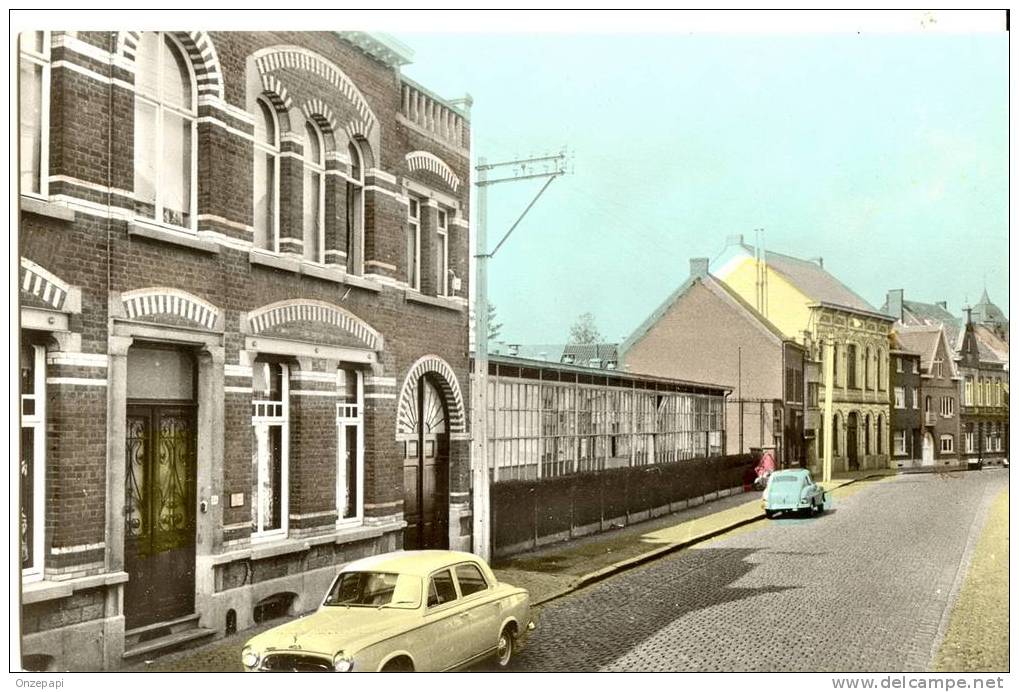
(924, 340)
(583, 354)
(811, 279)
(717, 287)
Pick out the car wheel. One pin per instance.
(504, 649)
(399, 665)
(819, 508)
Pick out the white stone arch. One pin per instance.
(45, 285)
(200, 51)
(425, 160)
(304, 310)
(161, 300)
(446, 380)
(268, 60)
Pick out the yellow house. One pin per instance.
(815, 309)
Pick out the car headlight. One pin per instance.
(250, 657)
(342, 664)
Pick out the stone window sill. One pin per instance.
(40, 591)
(324, 272)
(41, 207)
(435, 301)
(166, 235)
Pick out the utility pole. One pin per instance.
(549, 167)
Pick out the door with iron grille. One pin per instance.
(159, 513)
(426, 473)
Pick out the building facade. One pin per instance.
(810, 306)
(940, 383)
(244, 335)
(984, 410)
(907, 398)
(706, 331)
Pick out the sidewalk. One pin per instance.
(556, 570)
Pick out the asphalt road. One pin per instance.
(866, 586)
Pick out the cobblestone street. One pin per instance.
(869, 585)
(866, 586)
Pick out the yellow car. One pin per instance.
(427, 610)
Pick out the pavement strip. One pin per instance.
(974, 632)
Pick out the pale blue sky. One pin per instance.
(885, 154)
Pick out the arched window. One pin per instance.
(881, 385)
(164, 131)
(867, 371)
(355, 208)
(314, 193)
(927, 404)
(880, 434)
(866, 434)
(266, 177)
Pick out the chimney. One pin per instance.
(819, 260)
(943, 304)
(699, 267)
(894, 302)
(514, 349)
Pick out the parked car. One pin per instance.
(792, 490)
(428, 610)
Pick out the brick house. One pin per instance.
(984, 410)
(706, 331)
(243, 279)
(907, 397)
(940, 391)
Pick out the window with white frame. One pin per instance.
(898, 363)
(916, 366)
(270, 448)
(947, 406)
(900, 397)
(967, 392)
(997, 392)
(355, 209)
(164, 131)
(899, 442)
(414, 243)
(970, 442)
(916, 397)
(314, 193)
(997, 437)
(350, 446)
(266, 177)
(939, 368)
(33, 458)
(947, 443)
(33, 111)
(442, 253)
(989, 438)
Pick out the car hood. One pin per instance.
(332, 629)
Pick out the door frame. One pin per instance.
(441, 514)
(209, 440)
(927, 450)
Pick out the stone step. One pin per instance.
(167, 642)
(159, 629)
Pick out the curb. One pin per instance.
(623, 565)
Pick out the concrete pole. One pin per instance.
(481, 509)
(829, 385)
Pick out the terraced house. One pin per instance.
(243, 280)
(812, 307)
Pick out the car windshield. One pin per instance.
(375, 589)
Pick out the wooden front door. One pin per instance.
(426, 474)
(159, 513)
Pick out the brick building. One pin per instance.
(939, 391)
(705, 330)
(243, 274)
(984, 410)
(907, 396)
(810, 305)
